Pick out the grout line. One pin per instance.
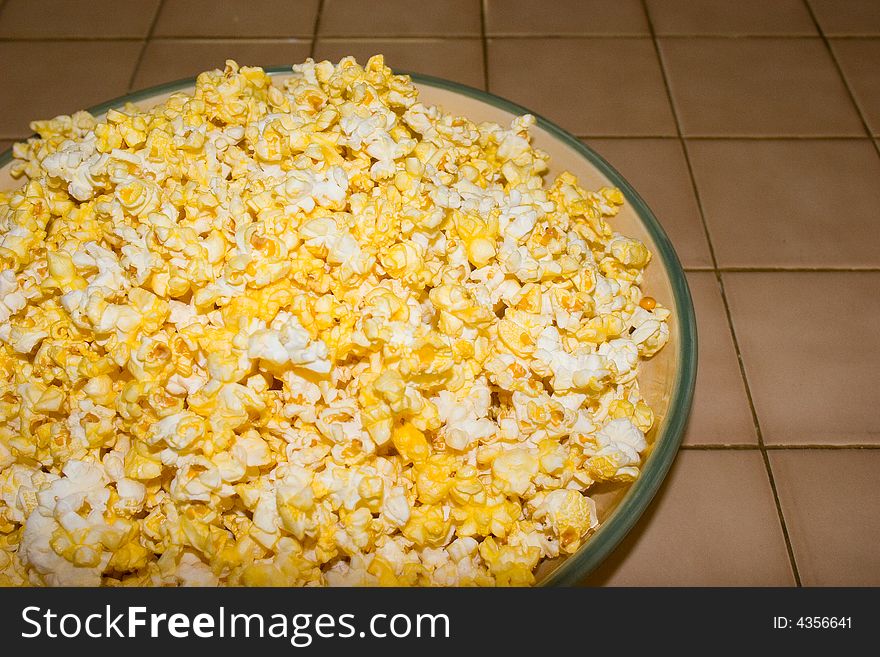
(783, 270)
(438, 37)
(485, 43)
(143, 51)
(556, 35)
(830, 137)
(601, 136)
(403, 39)
(720, 282)
(446, 36)
(779, 448)
(735, 35)
(717, 448)
(839, 68)
(586, 138)
(519, 36)
(796, 270)
(247, 39)
(315, 28)
(68, 39)
(851, 36)
(732, 137)
(827, 447)
(187, 39)
(713, 35)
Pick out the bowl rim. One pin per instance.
(668, 439)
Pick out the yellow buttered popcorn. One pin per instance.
(309, 332)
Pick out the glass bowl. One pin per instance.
(666, 380)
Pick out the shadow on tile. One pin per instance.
(721, 414)
(713, 523)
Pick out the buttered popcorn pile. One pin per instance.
(311, 332)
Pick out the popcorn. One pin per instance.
(69, 537)
(651, 332)
(513, 470)
(79, 165)
(581, 370)
(178, 431)
(286, 341)
(569, 513)
(11, 299)
(465, 420)
(619, 444)
(309, 333)
(192, 571)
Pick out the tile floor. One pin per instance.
(747, 126)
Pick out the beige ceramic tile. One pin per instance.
(847, 17)
(45, 19)
(830, 499)
(165, 61)
(596, 87)
(455, 59)
(790, 203)
(758, 87)
(743, 17)
(713, 523)
(720, 414)
(568, 17)
(251, 18)
(397, 18)
(42, 79)
(658, 170)
(859, 60)
(809, 345)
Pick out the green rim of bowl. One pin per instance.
(668, 438)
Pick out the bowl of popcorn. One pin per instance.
(328, 325)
